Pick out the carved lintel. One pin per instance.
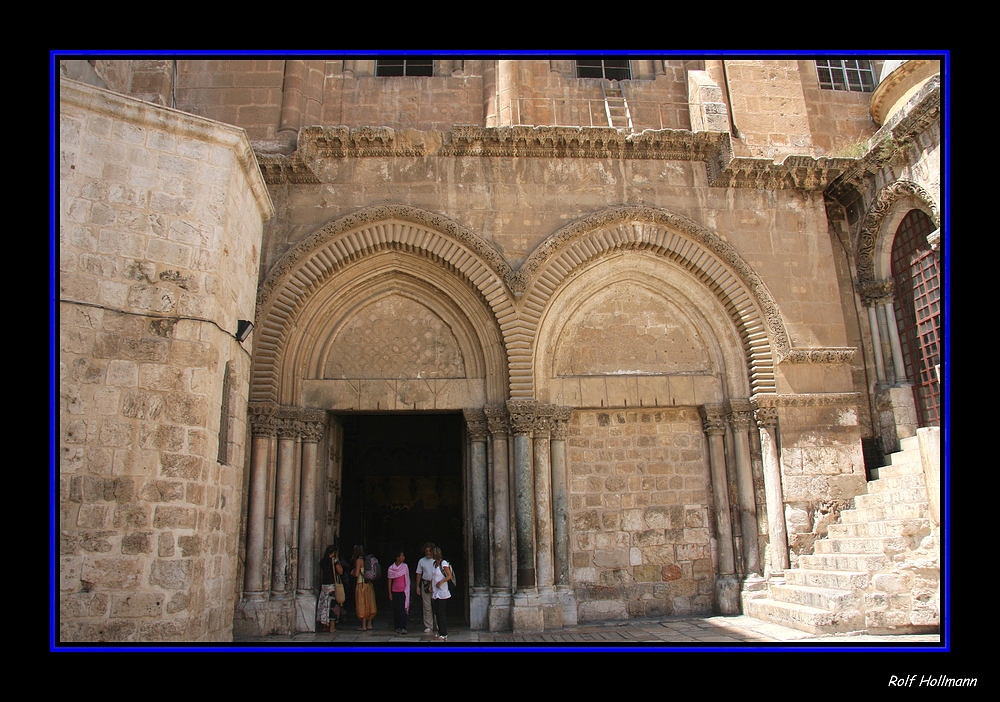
(808, 399)
(828, 355)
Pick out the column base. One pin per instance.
(567, 601)
(479, 605)
(552, 613)
(499, 611)
(526, 614)
(305, 610)
(257, 617)
(727, 594)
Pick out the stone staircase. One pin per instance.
(877, 570)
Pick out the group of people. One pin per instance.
(434, 576)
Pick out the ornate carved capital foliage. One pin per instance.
(262, 418)
(877, 292)
(522, 415)
(475, 424)
(829, 355)
(496, 417)
(740, 414)
(544, 420)
(713, 418)
(561, 417)
(289, 421)
(767, 417)
(313, 425)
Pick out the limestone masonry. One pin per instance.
(626, 337)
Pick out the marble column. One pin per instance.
(526, 614)
(740, 418)
(500, 593)
(313, 426)
(727, 592)
(544, 566)
(560, 515)
(263, 426)
(894, 343)
(767, 422)
(479, 593)
(282, 560)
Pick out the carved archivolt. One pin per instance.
(873, 230)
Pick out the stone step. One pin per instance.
(911, 456)
(900, 468)
(835, 579)
(908, 495)
(855, 562)
(889, 527)
(887, 512)
(875, 545)
(805, 618)
(904, 481)
(826, 598)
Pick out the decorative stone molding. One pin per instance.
(844, 354)
(808, 400)
(289, 421)
(872, 228)
(713, 418)
(877, 292)
(794, 172)
(476, 424)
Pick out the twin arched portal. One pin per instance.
(396, 308)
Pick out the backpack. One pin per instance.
(372, 570)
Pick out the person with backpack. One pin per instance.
(441, 592)
(366, 570)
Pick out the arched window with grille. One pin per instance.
(915, 271)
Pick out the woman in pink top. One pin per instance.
(399, 591)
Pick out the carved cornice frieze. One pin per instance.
(844, 354)
(278, 168)
(475, 424)
(922, 112)
(262, 418)
(808, 400)
(795, 172)
(713, 418)
(496, 417)
(876, 292)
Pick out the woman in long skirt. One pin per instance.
(364, 592)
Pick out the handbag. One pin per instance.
(338, 591)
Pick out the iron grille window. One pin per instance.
(846, 74)
(404, 67)
(611, 69)
(918, 312)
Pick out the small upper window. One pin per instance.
(848, 74)
(611, 69)
(404, 67)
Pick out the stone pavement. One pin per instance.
(725, 631)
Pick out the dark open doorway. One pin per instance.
(402, 486)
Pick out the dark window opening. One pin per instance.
(855, 75)
(404, 67)
(609, 69)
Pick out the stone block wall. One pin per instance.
(160, 225)
(640, 516)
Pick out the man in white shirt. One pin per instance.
(425, 576)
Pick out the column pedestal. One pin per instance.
(526, 614)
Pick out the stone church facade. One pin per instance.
(626, 337)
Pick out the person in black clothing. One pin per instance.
(331, 570)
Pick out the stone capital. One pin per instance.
(313, 425)
(876, 292)
(262, 418)
(496, 418)
(767, 417)
(560, 423)
(713, 418)
(475, 424)
(289, 420)
(740, 414)
(522, 415)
